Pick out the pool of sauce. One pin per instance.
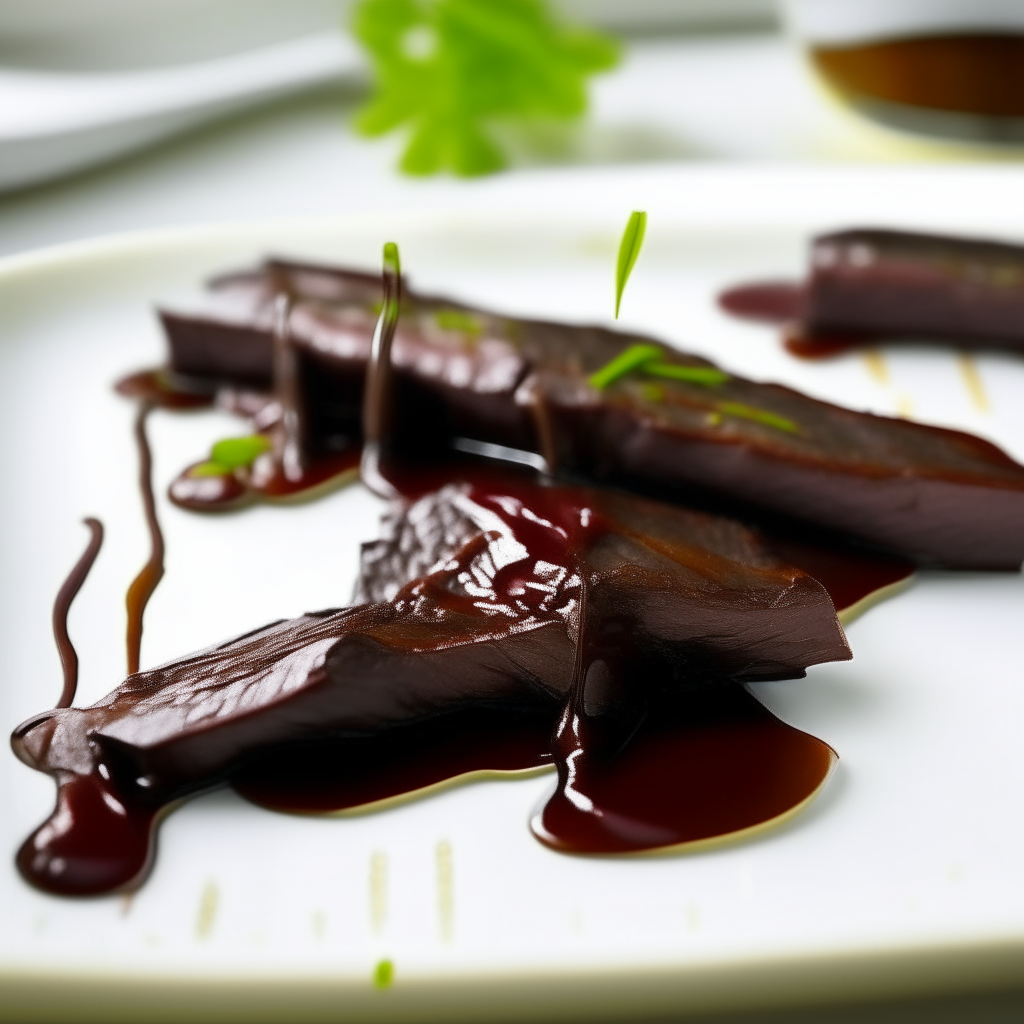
(353, 772)
(715, 764)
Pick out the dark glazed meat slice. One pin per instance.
(470, 613)
(937, 496)
(940, 497)
(475, 595)
(902, 284)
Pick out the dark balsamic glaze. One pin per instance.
(776, 302)
(62, 605)
(797, 342)
(715, 764)
(95, 841)
(159, 387)
(99, 839)
(141, 589)
(781, 302)
(331, 775)
(850, 576)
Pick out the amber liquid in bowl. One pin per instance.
(963, 85)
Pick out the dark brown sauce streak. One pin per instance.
(142, 587)
(771, 301)
(161, 388)
(62, 605)
(378, 392)
(780, 302)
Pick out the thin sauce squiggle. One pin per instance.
(142, 587)
(62, 605)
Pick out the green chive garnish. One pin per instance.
(210, 468)
(383, 974)
(392, 265)
(235, 452)
(623, 363)
(629, 249)
(694, 374)
(456, 320)
(750, 412)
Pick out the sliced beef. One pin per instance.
(937, 496)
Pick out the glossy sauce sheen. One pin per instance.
(231, 490)
(776, 302)
(781, 302)
(158, 388)
(717, 764)
(321, 777)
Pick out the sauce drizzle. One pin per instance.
(62, 605)
(145, 583)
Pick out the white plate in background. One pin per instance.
(905, 873)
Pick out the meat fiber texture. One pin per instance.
(940, 497)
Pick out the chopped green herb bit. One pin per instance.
(383, 974)
(210, 468)
(236, 452)
(623, 363)
(708, 375)
(448, 69)
(750, 412)
(392, 264)
(629, 250)
(457, 320)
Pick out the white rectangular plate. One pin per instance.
(905, 872)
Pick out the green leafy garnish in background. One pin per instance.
(629, 249)
(232, 453)
(447, 68)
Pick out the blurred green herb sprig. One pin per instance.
(446, 68)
